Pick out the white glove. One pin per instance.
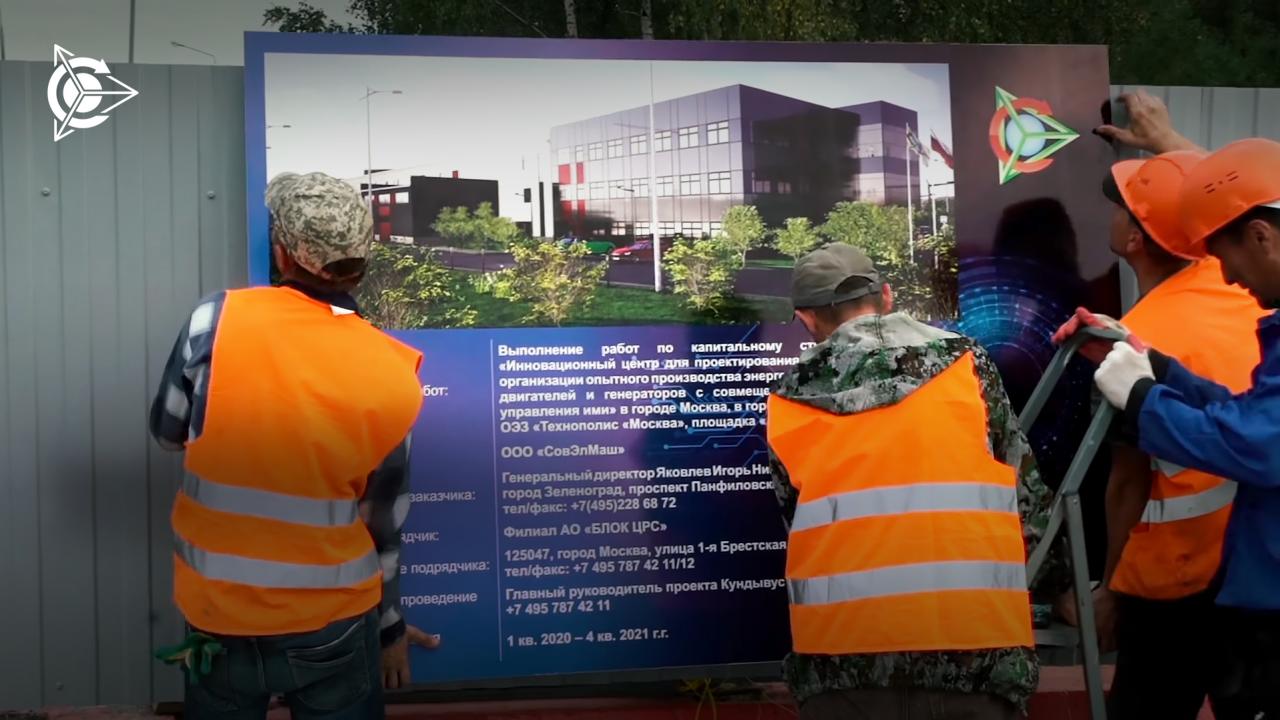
(1120, 371)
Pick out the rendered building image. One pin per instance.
(406, 213)
(730, 146)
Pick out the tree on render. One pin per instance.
(702, 271)
(554, 280)
(879, 231)
(741, 230)
(797, 237)
(407, 288)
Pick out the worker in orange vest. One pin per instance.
(1230, 210)
(295, 416)
(910, 495)
(1166, 523)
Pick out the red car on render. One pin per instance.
(639, 250)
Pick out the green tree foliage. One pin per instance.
(702, 270)
(481, 230)
(879, 231)
(555, 281)
(741, 230)
(797, 237)
(407, 288)
(1158, 42)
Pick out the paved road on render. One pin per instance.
(771, 282)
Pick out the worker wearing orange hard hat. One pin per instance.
(1229, 210)
(1165, 524)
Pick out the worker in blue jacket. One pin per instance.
(1230, 207)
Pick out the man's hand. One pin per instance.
(1149, 128)
(1094, 349)
(1104, 615)
(395, 658)
(1120, 371)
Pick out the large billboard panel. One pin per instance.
(591, 242)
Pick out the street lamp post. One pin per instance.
(368, 135)
(210, 55)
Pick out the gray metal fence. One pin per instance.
(107, 239)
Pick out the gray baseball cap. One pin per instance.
(319, 219)
(833, 274)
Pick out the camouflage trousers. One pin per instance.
(906, 704)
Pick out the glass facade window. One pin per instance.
(666, 186)
(718, 183)
(579, 154)
(691, 229)
(619, 228)
(689, 137)
(615, 148)
(641, 187)
(597, 191)
(642, 229)
(662, 141)
(690, 185)
(569, 192)
(784, 187)
(639, 144)
(402, 197)
(595, 151)
(666, 229)
(716, 227)
(718, 132)
(564, 156)
(761, 186)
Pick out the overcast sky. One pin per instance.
(100, 28)
(490, 118)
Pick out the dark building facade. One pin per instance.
(406, 214)
(735, 145)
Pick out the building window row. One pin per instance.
(718, 183)
(687, 137)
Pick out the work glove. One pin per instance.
(1095, 349)
(194, 654)
(1120, 370)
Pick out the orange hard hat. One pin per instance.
(1150, 188)
(1228, 183)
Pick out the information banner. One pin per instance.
(591, 243)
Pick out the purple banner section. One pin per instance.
(591, 499)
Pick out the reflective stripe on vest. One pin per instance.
(918, 497)
(904, 579)
(1186, 507)
(269, 505)
(906, 535)
(303, 404)
(1176, 549)
(272, 574)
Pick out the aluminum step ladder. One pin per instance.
(1066, 508)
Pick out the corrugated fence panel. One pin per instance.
(107, 240)
(1213, 117)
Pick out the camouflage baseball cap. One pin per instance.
(319, 219)
(833, 274)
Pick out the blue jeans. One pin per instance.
(331, 674)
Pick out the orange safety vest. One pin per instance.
(1211, 328)
(303, 403)
(906, 535)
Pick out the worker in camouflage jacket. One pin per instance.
(912, 500)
